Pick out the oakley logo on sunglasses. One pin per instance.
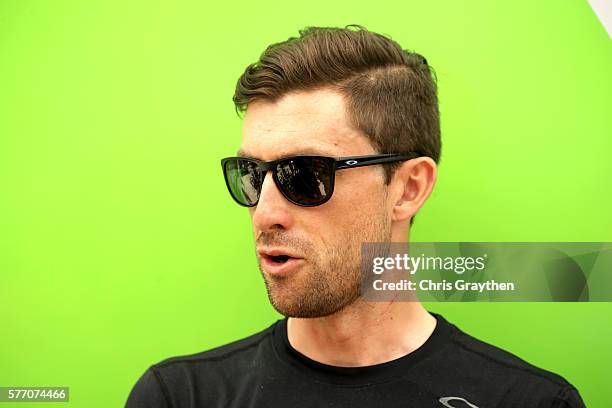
(306, 181)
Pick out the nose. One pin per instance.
(272, 211)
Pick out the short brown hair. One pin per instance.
(391, 93)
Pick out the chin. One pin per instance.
(289, 306)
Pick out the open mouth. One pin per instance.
(280, 259)
(277, 262)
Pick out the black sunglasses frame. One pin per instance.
(337, 163)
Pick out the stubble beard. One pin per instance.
(328, 281)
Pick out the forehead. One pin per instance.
(305, 122)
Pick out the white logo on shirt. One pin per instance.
(445, 401)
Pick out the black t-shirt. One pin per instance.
(451, 369)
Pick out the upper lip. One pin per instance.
(277, 252)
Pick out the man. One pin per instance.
(354, 95)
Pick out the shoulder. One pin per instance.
(495, 366)
(165, 381)
(235, 349)
(483, 353)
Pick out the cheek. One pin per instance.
(356, 204)
(355, 207)
(358, 192)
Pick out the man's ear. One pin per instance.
(411, 186)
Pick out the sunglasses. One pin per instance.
(306, 181)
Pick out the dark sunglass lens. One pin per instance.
(306, 181)
(243, 180)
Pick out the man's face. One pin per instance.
(325, 241)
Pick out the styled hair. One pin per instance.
(390, 93)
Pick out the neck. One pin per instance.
(362, 334)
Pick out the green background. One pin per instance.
(119, 245)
